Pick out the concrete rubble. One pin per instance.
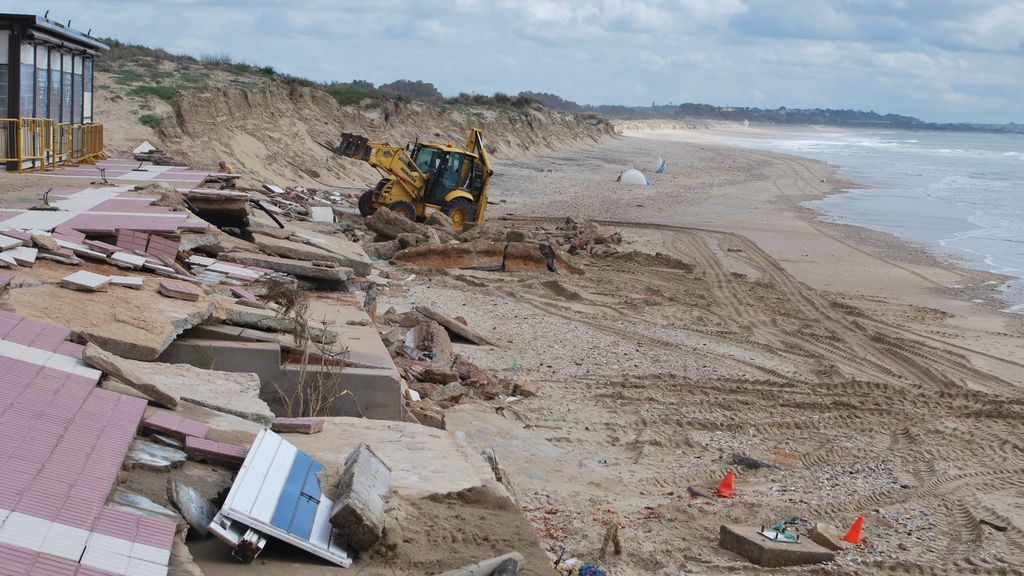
(190, 320)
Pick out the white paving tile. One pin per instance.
(85, 280)
(138, 567)
(127, 281)
(65, 541)
(105, 560)
(128, 259)
(24, 531)
(150, 553)
(6, 242)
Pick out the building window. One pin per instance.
(42, 107)
(28, 89)
(79, 90)
(87, 82)
(55, 85)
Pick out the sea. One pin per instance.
(959, 194)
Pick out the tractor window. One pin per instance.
(452, 172)
(427, 159)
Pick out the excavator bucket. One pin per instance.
(353, 146)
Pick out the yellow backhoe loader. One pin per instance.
(424, 177)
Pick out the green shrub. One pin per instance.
(151, 120)
(163, 92)
(346, 96)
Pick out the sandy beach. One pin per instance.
(851, 365)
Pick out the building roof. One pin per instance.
(53, 32)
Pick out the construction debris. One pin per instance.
(454, 326)
(86, 281)
(358, 510)
(508, 564)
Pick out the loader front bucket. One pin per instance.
(353, 146)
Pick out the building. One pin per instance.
(46, 93)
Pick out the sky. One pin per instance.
(939, 60)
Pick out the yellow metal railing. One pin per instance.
(45, 144)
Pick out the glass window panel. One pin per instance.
(66, 97)
(78, 99)
(27, 86)
(55, 94)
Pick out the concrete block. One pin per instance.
(299, 268)
(321, 214)
(23, 256)
(375, 392)
(261, 358)
(153, 457)
(358, 511)
(204, 450)
(745, 541)
(128, 260)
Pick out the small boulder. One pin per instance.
(440, 220)
(382, 250)
(390, 224)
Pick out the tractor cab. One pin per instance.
(447, 169)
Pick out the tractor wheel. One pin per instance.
(404, 208)
(461, 211)
(366, 207)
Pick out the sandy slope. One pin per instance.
(839, 355)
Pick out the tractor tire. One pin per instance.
(461, 211)
(366, 207)
(403, 208)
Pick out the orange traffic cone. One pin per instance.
(853, 536)
(725, 487)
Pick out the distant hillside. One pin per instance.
(791, 116)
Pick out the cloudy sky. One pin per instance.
(940, 60)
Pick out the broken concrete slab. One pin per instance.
(828, 536)
(747, 542)
(317, 247)
(367, 392)
(269, 321)
(321, 214)
(260, 358)
(297, 425)
(86, 281)
(454, 326)
(524, 256)
(8, 242)
(143, 455)
(193, 506)
(390, 224)
(231, 333)
(497, 566)
(431, 338)
(298, 268)
(476, 255)
(358, 511)
(345, 252)
(423, 461)
(234, 393)
(164, 440)
(178, 290)
(46, 242)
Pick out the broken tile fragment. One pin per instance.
(298, 425)
(23, 256)
(126, 259)
(86, 281)
(127, 281)
(5, 280)
(204, 449)
(179, 291)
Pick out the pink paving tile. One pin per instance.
(178, 290)
(47, 565)
(244, 294)
(174, 425)
(209, 449)
(70, 233)
(25, 237)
